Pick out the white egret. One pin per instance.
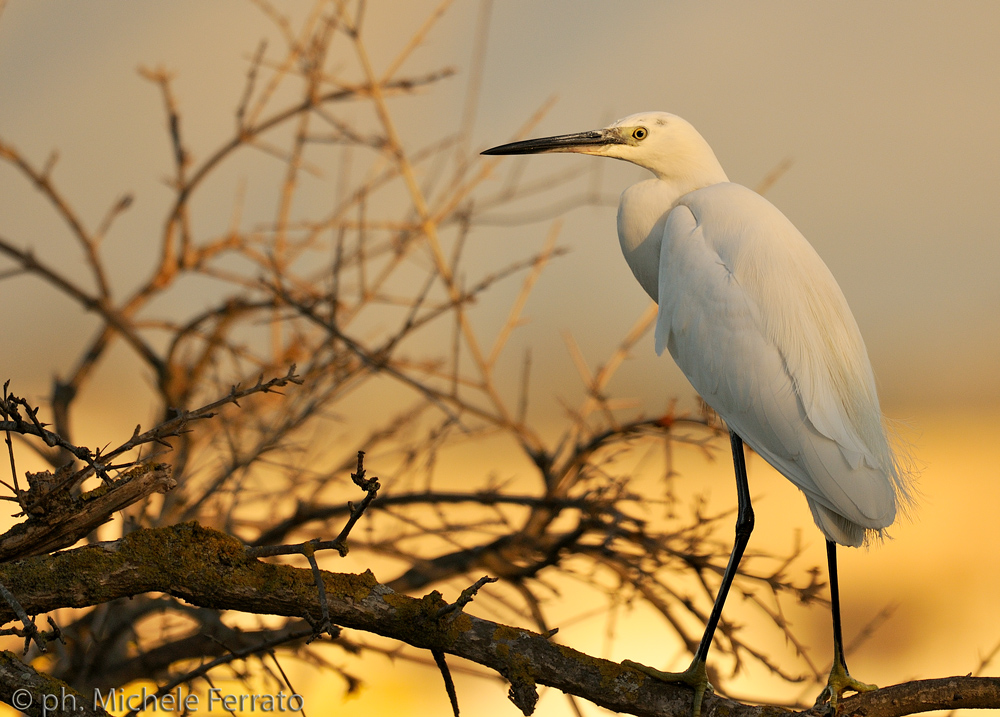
(761, 329)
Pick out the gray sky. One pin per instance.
(888, 111)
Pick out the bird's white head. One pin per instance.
(665, 144)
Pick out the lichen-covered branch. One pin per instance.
(70, 518)
(20, 684)
(211, 569)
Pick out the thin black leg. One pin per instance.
(838, 637)
(744, 526)
(840, 679)
(696, 676)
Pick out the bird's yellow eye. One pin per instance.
(640, 133)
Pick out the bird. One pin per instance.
(759, 326)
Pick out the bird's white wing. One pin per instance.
(755, 320)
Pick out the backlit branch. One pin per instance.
(226, 578)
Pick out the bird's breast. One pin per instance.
(642, 215)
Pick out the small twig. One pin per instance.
(114, 318)
(179, 422)
(472, 90)
(522, 404)
(123, 203)
(33, 427)
(466, 597)
(43, 181)
(234, 655)
(514, 316)
(375, 360)
(308, 549)
(163, 78)
(284, 676)
(16, 488)
(987, 659)
(371, 485)
(251, 81)
(30, 631)
(773, 176)
(449, 684)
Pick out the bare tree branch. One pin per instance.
(211, 569)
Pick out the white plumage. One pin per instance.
(759, 326)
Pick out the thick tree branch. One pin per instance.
(35, 693)
(211, 569)
(70, 518)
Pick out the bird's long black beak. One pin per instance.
(579, 142)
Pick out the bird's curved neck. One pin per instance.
(691, 168)
(644, 207)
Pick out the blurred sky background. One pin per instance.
(887, 110)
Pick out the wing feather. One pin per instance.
(754, 318)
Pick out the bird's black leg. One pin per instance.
(744, 526)
(838, 635)
(696, 675)
(840, 679)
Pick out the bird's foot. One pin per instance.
(840, 682)
(695, 677)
